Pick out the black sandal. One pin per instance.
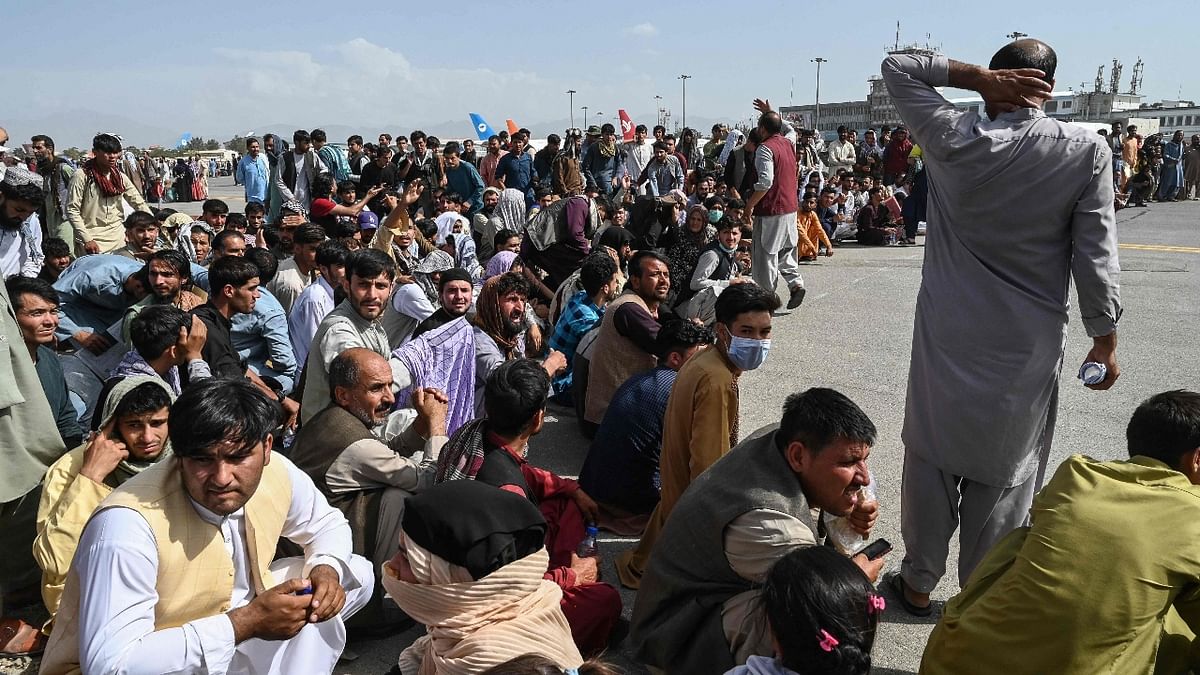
(896, 584)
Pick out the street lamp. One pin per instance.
(658, 107)
(817, 108)
(584, 116)
(571, 93)
(685, 78)
(599, 116)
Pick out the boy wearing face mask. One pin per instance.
(701, 421)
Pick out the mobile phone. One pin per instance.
(877, 549)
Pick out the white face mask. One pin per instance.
(748, 353)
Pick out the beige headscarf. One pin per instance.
(474, 625)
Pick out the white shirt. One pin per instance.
(116, 614)
(313, 304)
(301, 191)
(21, 249)
(289, 283)
(637, 157)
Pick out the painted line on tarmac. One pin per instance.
(857, 281)
(1161, 248)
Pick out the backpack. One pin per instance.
(549, 225)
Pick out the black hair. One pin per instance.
(106, 143)
(318, 136)
(300, 136)
(347, 186)
(639, 260)
(140, 219)
(1026, 54)
(516, 391)
(18, 285)
(815, 589)
(452, 148)
(219, 241)
(607, 128)
(308, 233)
(54, 247)
(251, 139)
(26, 192)
(452, 196)
(343, 372)
(49, 142)
(231, 271)
(659, 127)
(215, 207)
(1165, 427)
(355, 139)
(819, 416)
(322, 185)
(770, 122)
(598, 269)
(236, 221)
(217, 411)
(254, 207)
(265, 261)
(503, 235)
(343, 230)
(156, 328)
(660, 145)
(677, 335)
(428, 228)
(368, 264)
(727, 223)
(553, 139)
(416, 136)
(147, 397)
(387, 136)
(331, 253)
(742, 298)
(175, 258)
(511, 281)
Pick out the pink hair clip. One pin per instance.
(828, 642)
(876, 604)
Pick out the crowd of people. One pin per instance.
(233, 441)
(1152, 168)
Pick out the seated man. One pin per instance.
(699, 608)
(318, 299)
(500, 330)
(164, 339)
(625, 344)
(300, 270)
(174, 571)
(166, 273)
(366, 476)
(261, 337)
(95, 292)
(455, 296)
(1105, 576)
(621, 469)
(354, 323)
(234, 290)
(717, 268)
(36, 305)
(141, 236)
(601, 283)
(492, 450)
(57, 256)
(131, 436)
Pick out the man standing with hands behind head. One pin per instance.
(980, 419)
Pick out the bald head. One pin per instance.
(771, 123)
(1026, 53)
(360, 381)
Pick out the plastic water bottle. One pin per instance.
(891, 239)
(844, 538)
(1093, 373)
(588, 548)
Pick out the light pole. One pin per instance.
(571, 93)
(584, 116)
(658, 107)
(599, 117)
(817, 108)
(685, 78)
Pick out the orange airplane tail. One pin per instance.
(512, 127)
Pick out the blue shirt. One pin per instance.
(579, 316)
(466, 181)
(517, 172)
(92, 293)
(261, 338)
(621, 468)
(255, 175)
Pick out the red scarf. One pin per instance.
(111, 185)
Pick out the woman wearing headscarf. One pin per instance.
(510, 211)
(182, 186)
(684, 247)
(502, 262)
(470, 567)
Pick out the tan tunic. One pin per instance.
(95, 217)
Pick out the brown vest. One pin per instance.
(615, 359)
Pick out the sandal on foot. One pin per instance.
(18, 638)
(896, 583)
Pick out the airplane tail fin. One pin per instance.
(626, 126)
(482, 129)
(512, 127)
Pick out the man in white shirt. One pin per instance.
(296, 273)
(21, 196)
(297, 169)
(842, 152)
(215, 607)
(638, 153)
(317, 300)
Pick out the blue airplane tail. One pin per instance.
(481, 126)
(183, 140)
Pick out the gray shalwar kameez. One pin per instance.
(1017, 206)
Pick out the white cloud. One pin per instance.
(645, 29)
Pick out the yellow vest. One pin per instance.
(195, 572)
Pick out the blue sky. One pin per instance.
(223, 67)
